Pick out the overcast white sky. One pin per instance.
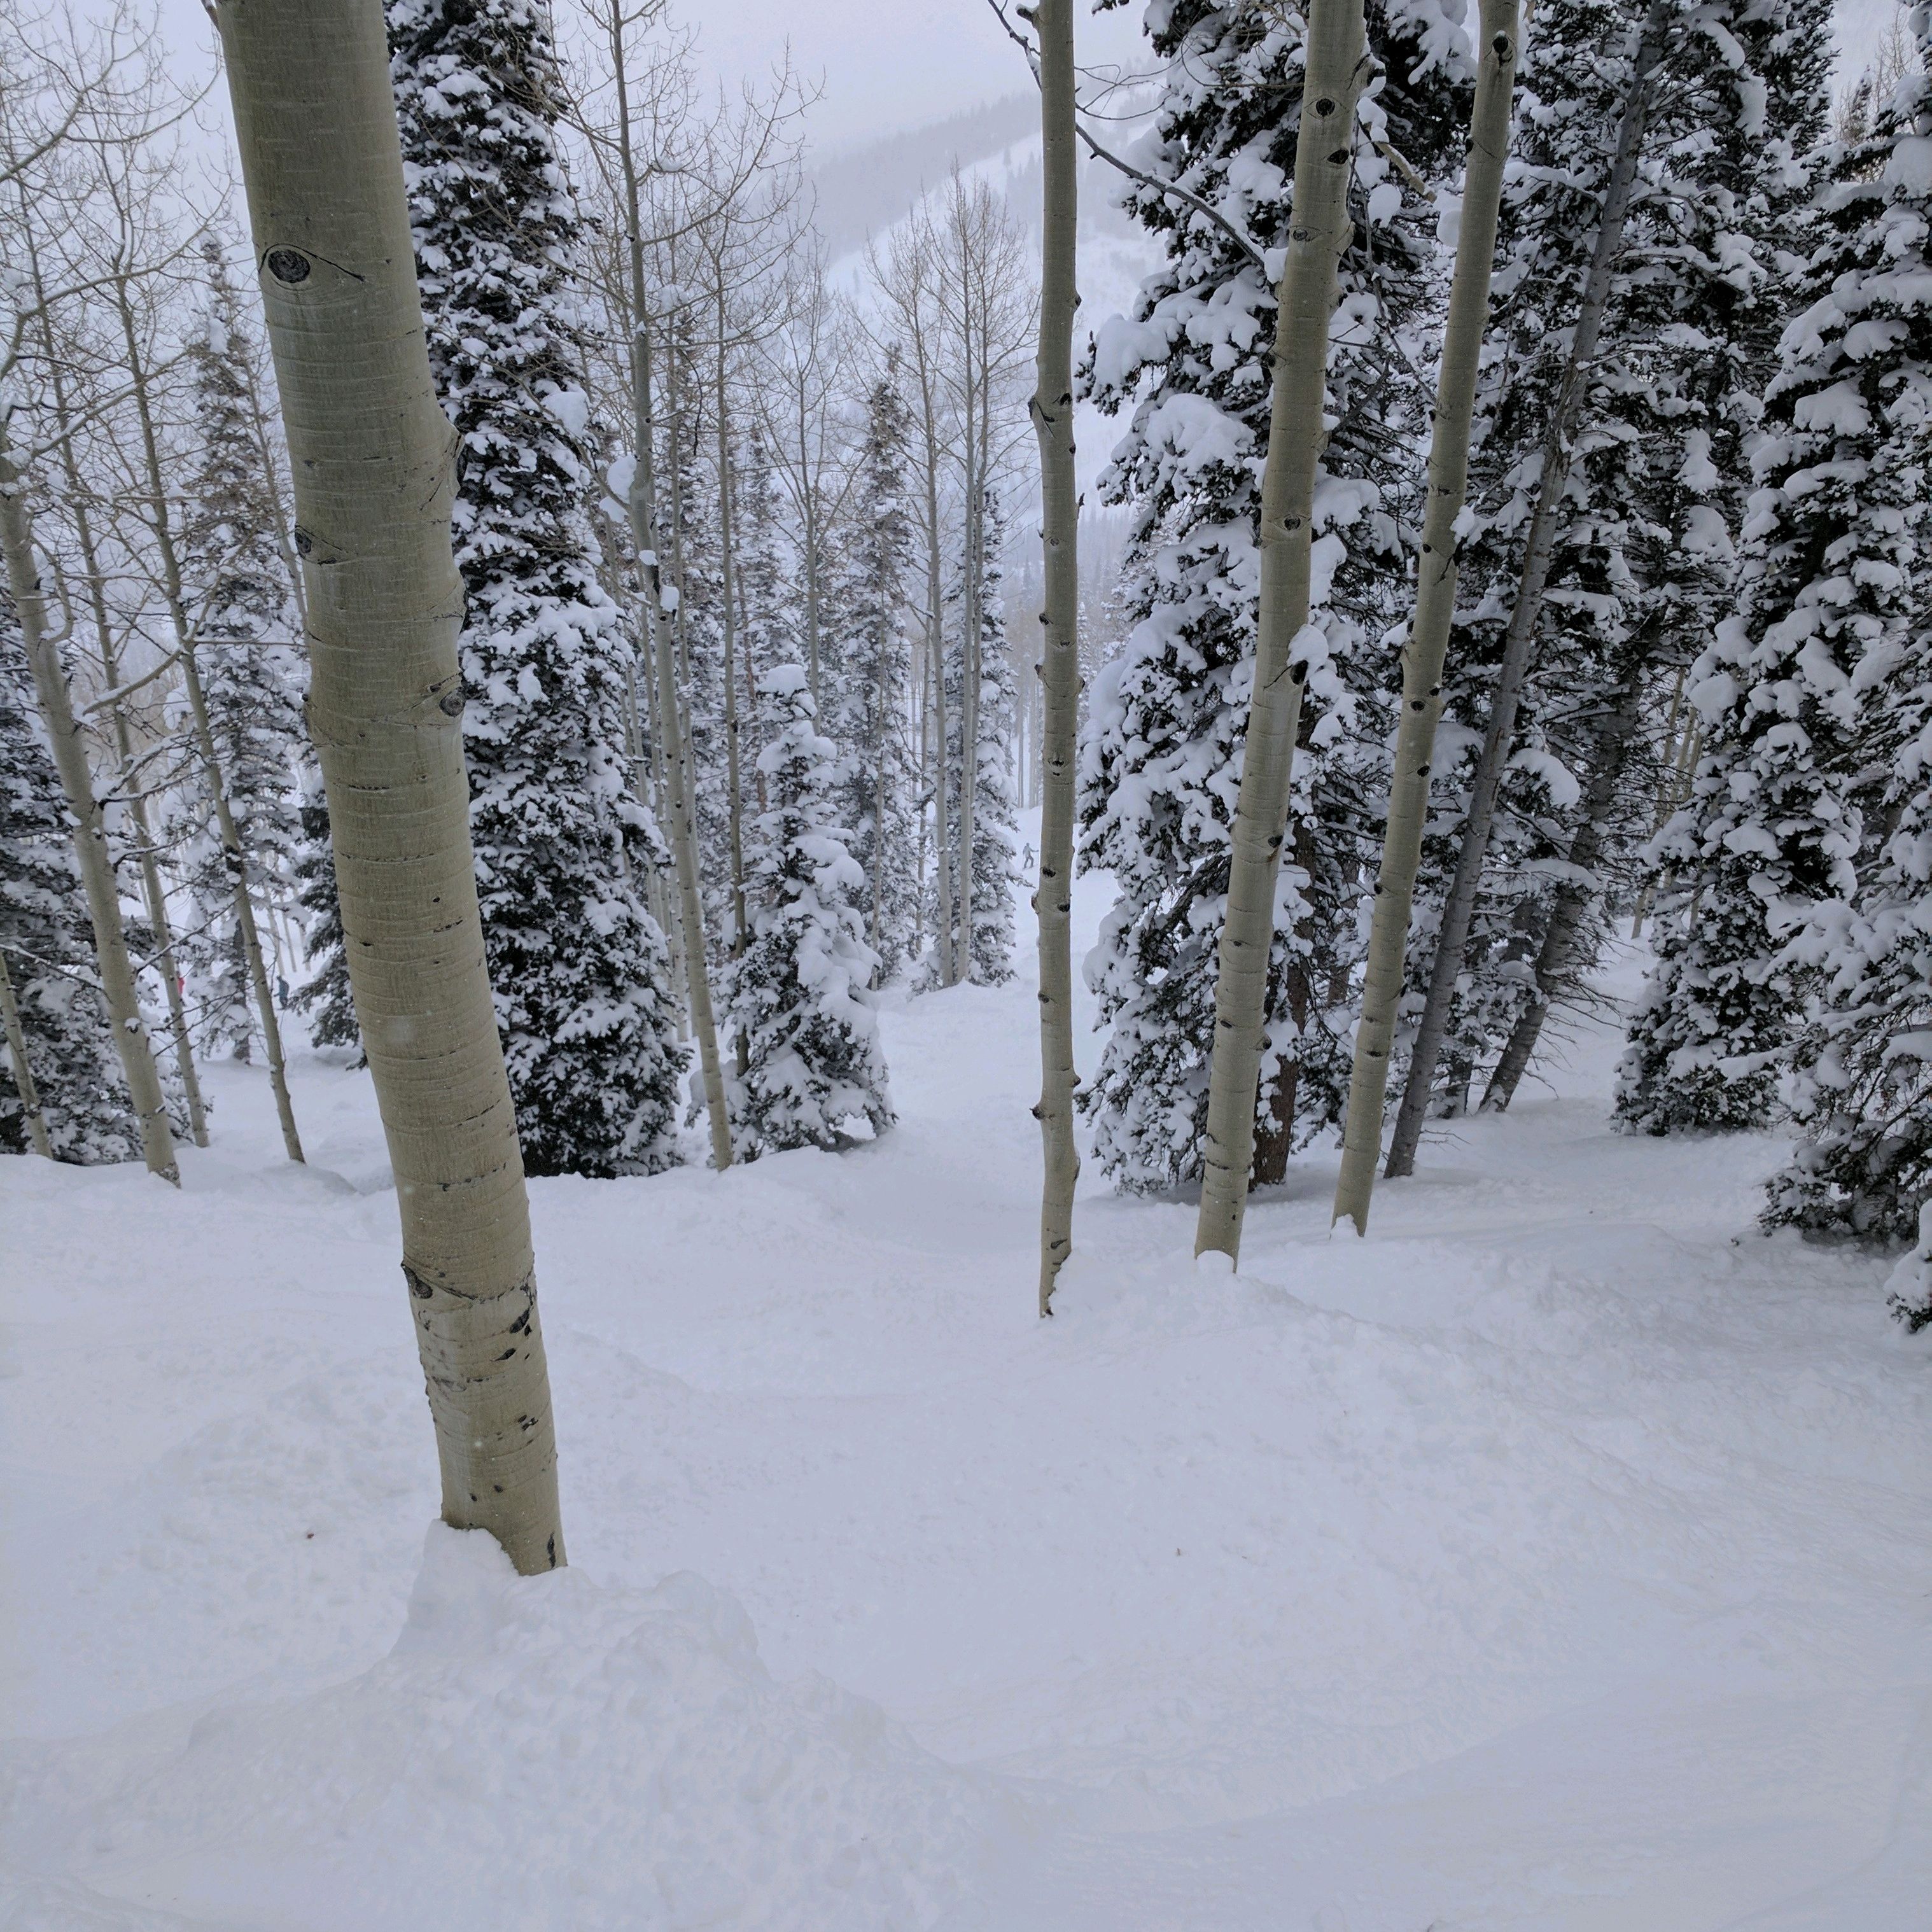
(887, 64)
(892, 64)
(884, 64)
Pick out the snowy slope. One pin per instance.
(1555, 1558)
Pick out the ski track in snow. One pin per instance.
(1554, 1558)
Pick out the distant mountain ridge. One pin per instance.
(865, 189)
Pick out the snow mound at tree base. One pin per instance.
(542, 1752)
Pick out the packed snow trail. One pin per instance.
(1555, 1558)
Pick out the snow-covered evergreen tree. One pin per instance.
(1830, 726)
(235, 584)
(580, 970)
(1825, 599)
(771, 632)
(48, 945)
(994, 859)
(1160, 762)
(1644, 542)
(874, 678)
(324, 994)
(797, 995)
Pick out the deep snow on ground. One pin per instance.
(1558, 1558)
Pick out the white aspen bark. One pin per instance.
(942, 840)
(733, 726)
(236, 854)
(752, 692)
(674, 746)
(371, 453)
(969, 621)
(877, 924)
(1686, 771)
(23, 1074)
(90, 836)
(1336, 69)
(1435, 609)
(1539, 551)
(1673, 769)
(288, 954)
(670, 913)
(809, 493)
(1060, 515)
(245, 905)
(976, 599)
(153, 891)
(921, 722)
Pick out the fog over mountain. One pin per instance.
(864, 191)
(904, 91)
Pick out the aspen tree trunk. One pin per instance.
(1337, 67)
(1667, 765)
(682, 659)
(1538, 552)
(1435, 609)
(675, 745)
(1557, 953)
(90, 836)
(1665, 774)
(288, 956)
(969, 764)
(811, 506)
(637, 737)
(878, 728)
(155, 895)
(942, 841)
(244, 907)
(932, 717)
(23, 1074)
(733, 729)
(751, 694)
(1673, 787)
(969, 681)
(977, 668)
(1060, 516)
(371, 454)
(152, 890)
(1023, 717)
(236, 855)
(921, 721)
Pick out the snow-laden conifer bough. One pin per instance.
(797, 997)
